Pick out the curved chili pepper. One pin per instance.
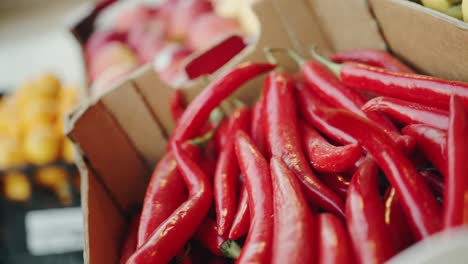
(365, 216)
(432, 142)
(420, 205)
(412, 87)
(396, 222)
(207, 235)
(434, 181)
(227, 170)
(337, 182)
(241, 223)
(166, 191)
(130, 243)
(334, 245)
(456, 182)
(257, 129)
(257, 180)
(172, 234)
(284, 140)
(408, 112)
(372, 57)
(177, 105)
(199, 109)
(324, 156)
(293, 228)
(221, 135)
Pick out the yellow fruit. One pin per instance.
(56, 179)
(10, 153)
(16, 186)
(39, 111)
(68, 99)
(41, 145)
(68, 152)
(464, 7)
(47, 85)
(444, 6)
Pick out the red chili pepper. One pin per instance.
(372, 57)
(408, 112)
(257, 129)
(293, 228)
(434, 181)
(130, 244)
(324, 156)
(207, 235)
(396, 221)
(172, 234)
(412, 87)
(420, 205)
(227, 170)
(432, 142)
(334, 245)
(200, 108)
(166, 191)
(177, 105)
(337, 182)
(284, 140)
(365, 216)
(257, 180)
(221, 135)
(241, 223)
(456, 182)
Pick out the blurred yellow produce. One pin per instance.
(55, 178)
(16, 186)
(41, 145)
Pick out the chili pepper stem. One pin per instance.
(202, 140)
(291, 53)
(230, 249)
(334, 67)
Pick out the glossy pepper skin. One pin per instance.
(432, 142)
(257, 131)
(227, 171)
(396, 222)
(241, 223)
(338, 182)
(372, 57)
(408, 112)
(176, 230)
(434, 181)
(207, 235)
(456, 182)
(166, 191)
(284, 140)
(257, 180)
(221, 135)
(199, 109)
(334, 245)
(293, 229)
(325, 157)
(130, 243)
(177, 105)
(365, 216)
(421, 207)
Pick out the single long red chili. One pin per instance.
(176, 230)
(221, 135)
(421, 207)
(241, 223)
(408, 112)
(257, 180)
(207, 235)
(284, 140)
(130, 242)
(199, 109)
(365, 216)
(257, 131)
(432, 142)
(396, 221)
(372, 57)
(456, 182)
(177, 105)
(293, 228)
(166, 191)
(227, 171)
(337, 182)
(324, 156)
(334, 245)
(434, 181)
(412, 87)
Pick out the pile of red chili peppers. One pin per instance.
(342, 163)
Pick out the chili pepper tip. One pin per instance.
(334, 67)
(230, 249)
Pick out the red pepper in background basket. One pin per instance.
(257, 131)
(177, 105)
(372, 57)
(365, 216)
(207, 235)
(241, 223)
(293, 229)
(284, 140)
(227, 171)
(334, 245)
(432, 142)
(199, 109)
(408, 112)
(257, 180)
(421, 207)
(396, 221)
(172, 234)
(166, 191)
(456, 182)
(130, 242)
(412, 87)
(337, 182)
(324, 156)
